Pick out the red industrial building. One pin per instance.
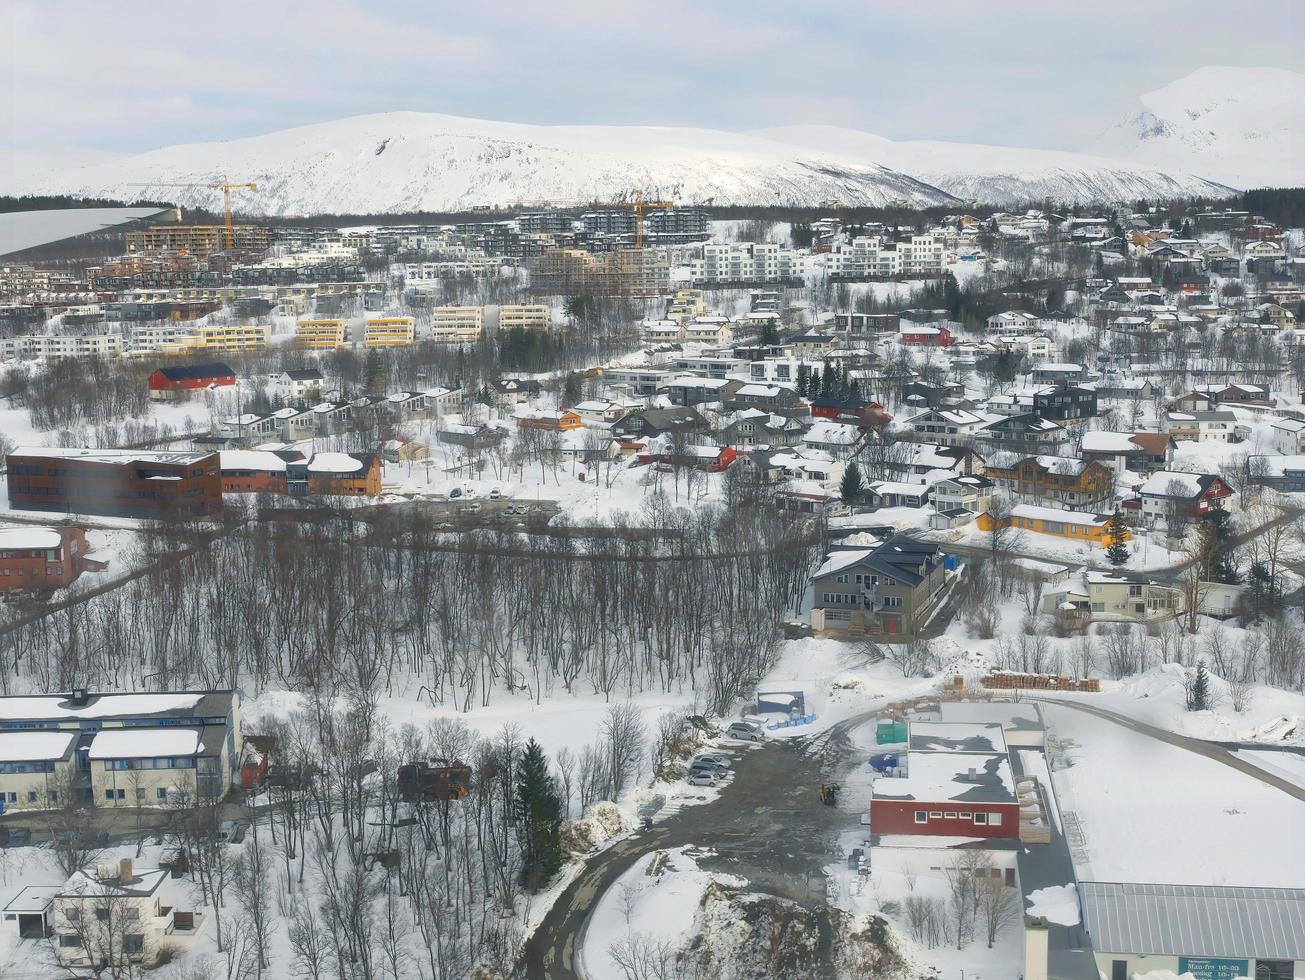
(168, 383)
(115, 482)
(39, 558)
(957, 783)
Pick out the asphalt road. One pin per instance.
(767, 826)
(1210, 750)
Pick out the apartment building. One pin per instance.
(625, 272)
(198, 240)
(382, 330)
(321, 334)
(527, 317)
(56, 347)
(108, 750)
(338, 474)
(114, 482)
(746, 263)
(457, 324)
(877, 258)
(226, 338)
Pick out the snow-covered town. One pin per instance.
(437, 548)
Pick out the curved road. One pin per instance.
(768, 826)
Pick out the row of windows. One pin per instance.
(57, 570)
(13, 768)
(981, 818)
(51, 797)
(112, 795)
(171, 762)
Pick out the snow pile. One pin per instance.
(1056, 903)
(601, 822)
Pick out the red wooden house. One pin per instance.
(924, 335)
(167, 383)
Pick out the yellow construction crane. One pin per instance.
(226, 187)
(640, 206)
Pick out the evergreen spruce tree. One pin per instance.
(571, 393)
(376, 373)
(538, 814)
(1116, 529)
(850, 488)
(1199, 698)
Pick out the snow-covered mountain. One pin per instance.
(1001, 175)
(408, 161)
(1241, 126)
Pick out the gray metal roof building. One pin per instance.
(1194, 920)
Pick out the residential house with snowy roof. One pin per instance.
(1288, 436)
(947, 426)
(118, 917)
(1134, 452)
(1064, 482)
(888, 590)
(839, 439)
(1185, 496)
(1027, 431)
(299, 384)
(1072, 525)
(1212, 426)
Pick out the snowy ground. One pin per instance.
(658, 907)
(1150, 811)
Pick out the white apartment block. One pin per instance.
(154, 336)
(472, 266)
(920, 255)
(745, 262)
(529, 317)
(456, 324)
(52, 348)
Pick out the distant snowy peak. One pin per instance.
(408, 161)
(1240, 126)
(1003, 175)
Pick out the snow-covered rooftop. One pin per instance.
(29, 538)
(54, 707)
(334, 463)
(144, 743)
(34, 746)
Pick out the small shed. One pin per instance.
(30, 909)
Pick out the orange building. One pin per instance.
(345, 474)
(560, 421)
(39, 558)
(252, 471)
(1075, 525)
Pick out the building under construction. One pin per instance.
(198, 240)
(634, 272)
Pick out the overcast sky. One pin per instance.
(130, 75)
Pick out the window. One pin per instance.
(935, 814)
(161, 794)
(994, 819)
(133, 944)
(73, 915)
(53, 797)
(101, 914)
(1135, 590)
(140, 794)
(1274, 970)
(31, 796)
(921, 816)
(980, 819)
(950, 816)
(966, 815)
(70, 942)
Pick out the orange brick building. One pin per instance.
(39, 558)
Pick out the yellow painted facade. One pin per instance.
(389, 331)
(321, 334)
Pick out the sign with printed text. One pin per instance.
(1205, 968)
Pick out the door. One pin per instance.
(891, 625)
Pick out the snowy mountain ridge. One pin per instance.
(1241, 126)
(408, 161)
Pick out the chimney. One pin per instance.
(124, 871)
(973, 775)
(79, 697)
(1036, 945)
